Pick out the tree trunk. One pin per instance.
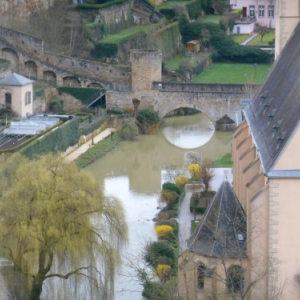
(36, 290)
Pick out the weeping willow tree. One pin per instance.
(55, 225)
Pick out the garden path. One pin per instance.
(71, 156)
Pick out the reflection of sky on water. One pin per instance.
(189, 136)
(140, 209)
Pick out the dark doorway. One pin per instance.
(8, 100)
(244, 12)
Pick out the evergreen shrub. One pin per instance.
(169, 13)
(194, 9)
(225, 49)
(103, 50)
(159, 253)
(171, 187)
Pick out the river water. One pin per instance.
(133, 173)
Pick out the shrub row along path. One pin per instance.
(185, 216)
(83, 148)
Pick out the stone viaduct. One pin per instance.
(28, 58)
(141, 80)
(215, 100)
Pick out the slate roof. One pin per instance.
(15, 79)
(223, 229)
(274, 113)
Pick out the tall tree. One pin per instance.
(55, 223)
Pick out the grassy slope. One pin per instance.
(174, 63)
(239, 38)
(266, 39)
(233, 73)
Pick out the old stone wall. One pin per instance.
(20, 49)
(23, 7)
(115, 13)
(24, 41)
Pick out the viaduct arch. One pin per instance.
(28, 58)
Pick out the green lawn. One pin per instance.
(171, 4)
(224, 162)
(128, 33)
(211, 18)
(174, 63)
(233, 73)
(239, 38)
(266, 39)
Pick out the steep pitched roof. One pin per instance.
(274, 113)
(15, 79)
(223, 229)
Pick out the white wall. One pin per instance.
(244, 28)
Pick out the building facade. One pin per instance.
(263, 11)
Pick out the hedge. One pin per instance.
(89, 127)
(97, 151)
(100, 6)
(171, 187)
(103, 50)
(169, 13)
(58, 139)
(194, 9)
(83, 94)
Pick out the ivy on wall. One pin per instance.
(58, 139)
(167, 39)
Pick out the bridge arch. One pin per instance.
(49, 76)
(165, 110)
(71, 81)
(31, 69)
(12, 56)
(95, 85)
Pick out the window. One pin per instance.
(271, 11)
(235, 279)
(200, 276)
(27, 98)
(261, 10)
(252, 10)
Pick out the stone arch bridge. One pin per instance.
(215, 100)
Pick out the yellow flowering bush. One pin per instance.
(163, 229)
(162, 271)
(181, 181)
(195, 170)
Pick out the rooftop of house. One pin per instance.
(223, 230)
(15, 79)
(274, 113)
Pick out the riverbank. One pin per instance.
(84, 152)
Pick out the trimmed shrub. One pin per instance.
(162, 271)
(171, 187)
(147, 118)
(195, 170)
(169, 13)
(163, 229)
(169, 198)
(159, 253)
(181, 181)
(103, 50)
